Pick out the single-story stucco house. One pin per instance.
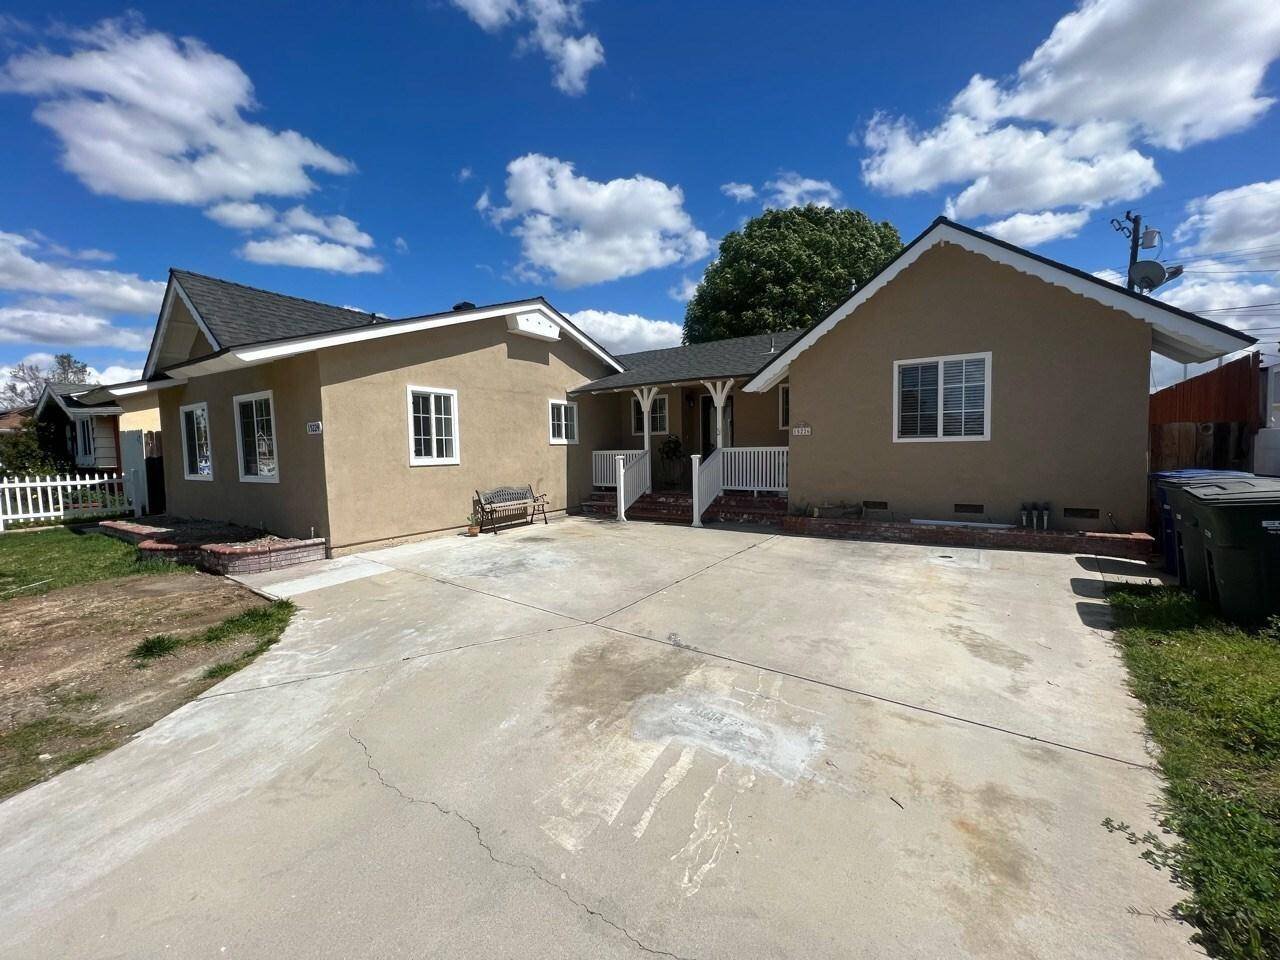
(966, 379)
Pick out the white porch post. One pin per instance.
(645, 395)
(697, 507)
(620, 466)
(719, 390)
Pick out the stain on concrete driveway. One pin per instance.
(600, 741)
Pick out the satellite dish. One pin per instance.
(1146, 275)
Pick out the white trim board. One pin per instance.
(166, 307)
(1173, 336)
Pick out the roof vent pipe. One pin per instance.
(464, 305)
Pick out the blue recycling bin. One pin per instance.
(1165, 483)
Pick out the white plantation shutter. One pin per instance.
(964, 397)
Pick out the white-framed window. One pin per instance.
(433, 426)
(784, 406)
(942, 398)
(255, 419)
(657, 416)
(84, 439)
(197, 451)
(564, 421)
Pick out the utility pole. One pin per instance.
(1134, 233)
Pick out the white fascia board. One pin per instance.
(251, 355)
(132, 387)
(1174, 336)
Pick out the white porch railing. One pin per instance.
(636, 480)
(707, 483)
(604, 465)
(757, 469)
(65, 497)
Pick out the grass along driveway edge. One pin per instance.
(1212, 697)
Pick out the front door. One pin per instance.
(707, 423)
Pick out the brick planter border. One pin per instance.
(1127, 546)
(239, 558)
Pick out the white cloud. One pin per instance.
(1209, 291)
(465, 174)
(1008, 168)
(789, 189)
(59, 250)
(337, 228)
(401, 245)
(108, 290)
(1029, 229)
(143, 116)
(627, 332)
(552, 25)
(683, 291)
(741, 192)
(1238, 219)
(1202, 81)
(1065, 131)
(580, 231)
(306, 250)
(242, 215)
(64, 324)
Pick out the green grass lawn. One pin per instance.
(33, 563)
(1212, 696)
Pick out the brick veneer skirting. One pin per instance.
(237, 558)
(1128, 546)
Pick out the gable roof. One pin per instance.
(237, 314)
(65, 395)
(1175, 333)
(247, 326)
(736, 357)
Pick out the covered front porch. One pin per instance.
(689, 451)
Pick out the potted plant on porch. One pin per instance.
(473, 525)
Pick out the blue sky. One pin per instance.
(399, 157)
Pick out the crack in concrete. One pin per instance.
(488, 849)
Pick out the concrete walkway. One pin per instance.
(591, 740)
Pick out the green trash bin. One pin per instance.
(1239, 526)
(1193, 572)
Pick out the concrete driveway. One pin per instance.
(594, 740)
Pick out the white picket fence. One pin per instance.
(66, 497)
(758, 469)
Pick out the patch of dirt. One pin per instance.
(69, 688)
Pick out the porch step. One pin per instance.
(676, 507)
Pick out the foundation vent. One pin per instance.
(875, 504)
(970, 508)
(1080, 513)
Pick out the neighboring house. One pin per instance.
(112, 428)
(13, 419)
(967, 378)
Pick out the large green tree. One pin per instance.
(787, 268)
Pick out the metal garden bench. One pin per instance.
(503, 503)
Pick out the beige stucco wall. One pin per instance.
(1068, 408)
(295, 506)
(504, 383)
(141, 412)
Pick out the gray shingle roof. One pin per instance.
(239, 315)
(738, 357)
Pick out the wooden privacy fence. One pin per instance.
(66, 497)
(1209, 420)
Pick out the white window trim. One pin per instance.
(561, 441)
(986, 408)
(275, 434)
(416, 461)
(785, 424)
(85, 452)
(666, 415)
(182, 420)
